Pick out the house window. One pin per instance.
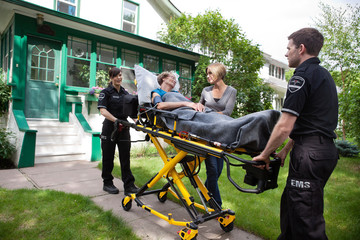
(105, 60)
(78, 62)
(168, 66)
(185, 79)
(151, 63)
(129, 58)
(129, 19)
(67, 6)
(42, 63)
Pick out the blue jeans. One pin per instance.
(214, 167)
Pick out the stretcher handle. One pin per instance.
(268, 177)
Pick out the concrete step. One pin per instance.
(63, 148)
(60, 158)
(57, 141)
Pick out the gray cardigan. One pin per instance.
(225, 104)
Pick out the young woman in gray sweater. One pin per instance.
(220, 98)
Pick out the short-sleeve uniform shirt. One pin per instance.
(312, 97)
(112, 100)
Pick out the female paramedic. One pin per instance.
(220, 98)
(111, 107)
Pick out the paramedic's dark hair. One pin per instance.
(114, 72)
(217, 69)
(310, 37)
(165, 75)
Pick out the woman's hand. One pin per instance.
(196, 106)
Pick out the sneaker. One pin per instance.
(111, 189)
(132, 189)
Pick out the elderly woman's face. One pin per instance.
(170, 81)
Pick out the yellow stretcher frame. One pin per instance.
(190, 153)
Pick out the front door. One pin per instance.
(42, 80)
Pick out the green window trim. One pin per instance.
(136, 18)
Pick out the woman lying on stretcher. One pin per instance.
(167, 81)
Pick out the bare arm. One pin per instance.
(173, 105)
(279, 134)
(107, 114)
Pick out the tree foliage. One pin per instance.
(222, 40)
(341, 55)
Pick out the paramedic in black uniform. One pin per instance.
(110, 106)
(309, 117)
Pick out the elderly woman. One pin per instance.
(167, 81)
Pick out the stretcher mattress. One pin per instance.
(250, 132)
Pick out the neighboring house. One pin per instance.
(53, 51)
(273, 73)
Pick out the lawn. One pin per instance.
(51, 215)
(259, 213)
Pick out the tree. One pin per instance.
(341, 54)
(221, 40)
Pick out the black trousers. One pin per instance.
(108, 151)
(312, 160)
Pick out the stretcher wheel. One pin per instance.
(162, 196)
(126, 206)
(228, 228)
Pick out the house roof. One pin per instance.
(165, 8)
(9, 7)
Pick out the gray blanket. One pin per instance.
(250, 132)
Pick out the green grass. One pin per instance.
(47, 214)
(259, 213)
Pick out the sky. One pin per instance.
(264, 22)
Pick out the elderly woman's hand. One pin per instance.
(196, 106)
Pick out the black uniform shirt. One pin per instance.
(312, 97)
(112, 100)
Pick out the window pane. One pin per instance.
(151, 63)
(34, 61)
(78, 47)
(169, 65)
(129, 27)
(42, 74)
(129, 16)
(128, 80)
(130, 58)
(50, 76)
(185, 71)
(78, 72)
(34, 74)
(185, 87)
(66, 8)
(43, 61)
(102, 74)
(130, 6)
(106, 53)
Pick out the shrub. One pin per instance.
(346, 148)
(6, 149)
(5, 94)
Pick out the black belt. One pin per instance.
(312, 137)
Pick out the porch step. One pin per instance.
(57, 141)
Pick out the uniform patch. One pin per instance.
(101, 96)
(296, 83)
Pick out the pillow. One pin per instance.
(147, 82)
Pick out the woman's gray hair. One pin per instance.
(165, 75)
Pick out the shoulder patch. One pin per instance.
(101, 96)
(296, 83)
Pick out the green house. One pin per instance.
(53, 53)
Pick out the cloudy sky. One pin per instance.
(267, 23)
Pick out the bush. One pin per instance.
(346, 148)
(6, 149)
(5, 94)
